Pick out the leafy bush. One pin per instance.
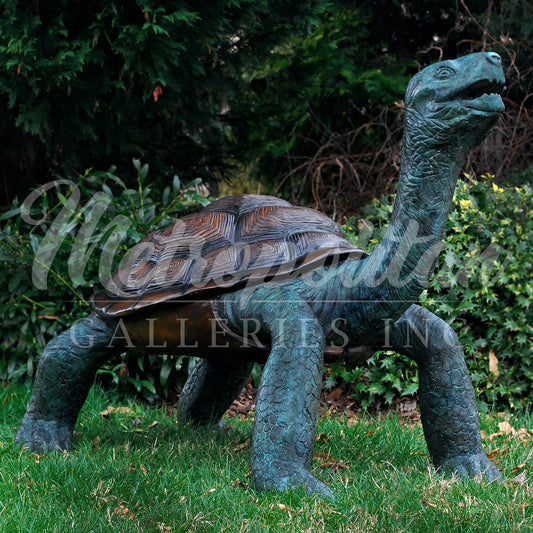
(54, 247)
(482, 287)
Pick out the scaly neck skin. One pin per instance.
(401, 265)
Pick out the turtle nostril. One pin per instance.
(494, 58)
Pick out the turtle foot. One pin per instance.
(469, 466)
(283, 476)
(44, 435)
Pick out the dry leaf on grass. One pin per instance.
(242, 446)
(519, 467)
(110, 409)
(329, 462)
(124, 512)
(520, 478)
(506, 429)
(238, 483)
(283, 507)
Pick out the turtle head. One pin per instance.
(455, 103)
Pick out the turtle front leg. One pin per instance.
(65, 374)
(288, 395)
(447, 400)
(210, 389)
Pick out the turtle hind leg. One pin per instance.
(64, 376)
(210, 390)
(447, 400)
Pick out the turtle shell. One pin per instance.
(234, 241)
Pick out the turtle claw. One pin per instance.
(283, 476)
(44, 435)
(470, 466)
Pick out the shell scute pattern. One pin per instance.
(234, 240)
(239, 205)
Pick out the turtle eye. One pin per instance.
(444, 72)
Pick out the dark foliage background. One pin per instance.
(90, 84)
(303, 97)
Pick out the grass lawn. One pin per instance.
(134, 469)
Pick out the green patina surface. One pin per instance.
(358, 303)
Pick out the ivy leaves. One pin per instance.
(482, 286)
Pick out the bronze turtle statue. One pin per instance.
(253, 278)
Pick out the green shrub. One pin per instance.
(54, 249)
(482, 286)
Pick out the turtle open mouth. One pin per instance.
(483, 96)
(481, 88)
